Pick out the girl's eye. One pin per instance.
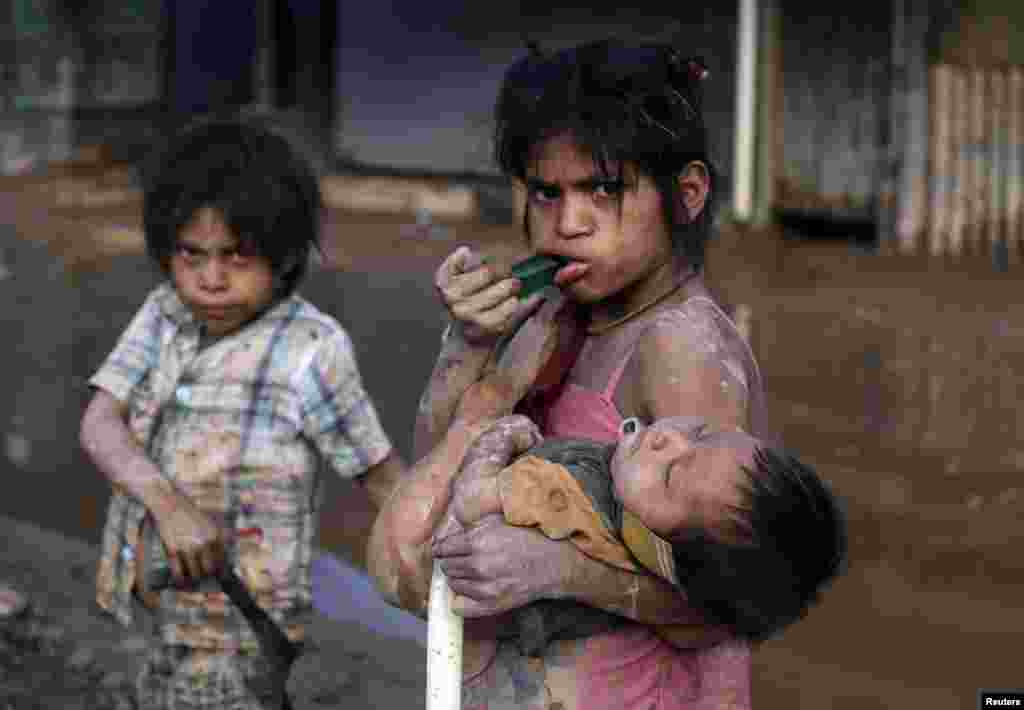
(608, 188)
(629, 426)
(544, 194)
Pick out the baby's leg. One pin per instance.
(522, 361)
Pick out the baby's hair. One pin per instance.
(620, 103)
(266, 192)
(790, 543)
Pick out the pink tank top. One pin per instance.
(632, 668)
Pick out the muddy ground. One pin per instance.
(897, 377)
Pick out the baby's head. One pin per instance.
(231, 213)
(635, 109)
(755, 534)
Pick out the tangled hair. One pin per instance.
(791, 543)
(640, 104)
(266, 192)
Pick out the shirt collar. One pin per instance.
(172, 306)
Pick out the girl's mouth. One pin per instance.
(573, 271)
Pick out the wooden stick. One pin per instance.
(444, 647)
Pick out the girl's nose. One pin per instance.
(574, 218)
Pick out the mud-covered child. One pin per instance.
(212, 412)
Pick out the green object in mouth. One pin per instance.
(537, 272)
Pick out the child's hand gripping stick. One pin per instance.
(156, 568)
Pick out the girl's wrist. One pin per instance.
(457, 336)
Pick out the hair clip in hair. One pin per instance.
(696, 70)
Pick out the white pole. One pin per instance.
(746, 76)
(444, 647)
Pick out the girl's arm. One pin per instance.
(678, 371)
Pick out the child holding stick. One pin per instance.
(211, 412)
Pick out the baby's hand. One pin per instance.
(482, 301)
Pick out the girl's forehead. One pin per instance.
(563, 154)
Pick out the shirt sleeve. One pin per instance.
(337, 414)
(136, 354)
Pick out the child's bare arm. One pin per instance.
(680, 373)
(483, 305)
(105, 437)
(195, 544)
(458, 366)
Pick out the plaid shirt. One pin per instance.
(238, 426)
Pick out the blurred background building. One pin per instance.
(898, 122)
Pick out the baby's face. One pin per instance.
(678, 471)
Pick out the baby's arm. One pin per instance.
(465, 384)
(399, 552)
(478, 303)
(467, 359)
(458, 366)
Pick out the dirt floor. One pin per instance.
(897, 377)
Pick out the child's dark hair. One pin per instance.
(790, 543)
(263, 188)
(620, 103)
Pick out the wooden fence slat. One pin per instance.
(1015, 105)
(996, 171)
(979, 161)
(940, 165)
(976, 162)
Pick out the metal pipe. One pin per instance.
(444, 647)
(746, 86)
